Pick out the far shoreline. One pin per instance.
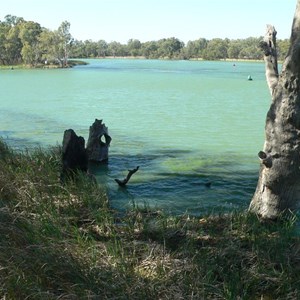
(176, 59)
(73, 62)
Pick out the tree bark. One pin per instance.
(270, 56)
(278, 187)
(74, 156)
(97, 150)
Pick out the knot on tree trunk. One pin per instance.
(264, 46)
(265, 159)
(291, 84)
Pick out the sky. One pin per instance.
(151, 20)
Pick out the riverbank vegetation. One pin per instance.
(64, 241)
(27, 42)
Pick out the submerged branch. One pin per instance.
(127, 178)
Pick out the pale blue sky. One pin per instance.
(120, 20)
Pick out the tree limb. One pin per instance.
(291, 61)
(268, 46)
(126, 179)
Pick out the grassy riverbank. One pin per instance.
(64, 242)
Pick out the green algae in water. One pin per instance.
(184, 123)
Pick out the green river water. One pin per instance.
(185, 123)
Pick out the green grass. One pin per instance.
(63, 241)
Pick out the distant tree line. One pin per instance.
(27, 42)
(172, 48)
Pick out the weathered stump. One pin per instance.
(97, 149)
(74, 156)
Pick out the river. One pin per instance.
(193, 127)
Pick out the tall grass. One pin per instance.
(63, 241)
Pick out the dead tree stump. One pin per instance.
(74, 156)
(98, 142)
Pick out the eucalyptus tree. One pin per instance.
(90, 49)
(19, 40)
(77, 49)
(12, 42)
(102, 47)
(149, 49)
(65, 40)
(234, 48)
(29, 36)
(47, 43)
(170, 47)
(216, 49)
(4, 28)
(13, 20)
(194, 49)
(278, 187)
(56, 44)
(250, 48)
(134, 47)
(116, 49)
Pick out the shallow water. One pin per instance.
(185, 123)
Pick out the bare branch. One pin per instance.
(268, 45)
(126, 179)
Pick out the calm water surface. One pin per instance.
(185, 123)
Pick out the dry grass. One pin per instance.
(64, 242)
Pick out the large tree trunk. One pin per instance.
(278, 187)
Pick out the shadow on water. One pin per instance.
(17, 143)
(212, 184)
(177, 181)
